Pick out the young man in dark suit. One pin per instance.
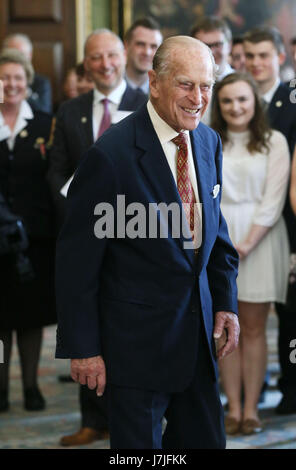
(79, 123)
(265, 53)
(140, 311)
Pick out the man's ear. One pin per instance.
(153, 83)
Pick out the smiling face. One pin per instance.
(263, 62)
(237, 105)
(14, 81)
(141, 48)
(182, 94)
(105, 61)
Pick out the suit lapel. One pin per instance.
(156, 169)
(203, 172)
(85, 124)
(275, 107)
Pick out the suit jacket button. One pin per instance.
(10, 157)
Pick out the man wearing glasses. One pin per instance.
(215, 33)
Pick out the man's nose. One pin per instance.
(196, 96)
(255, 60)
(106, 62)
(148, 50)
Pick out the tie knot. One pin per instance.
(180, 140)
(105, 102)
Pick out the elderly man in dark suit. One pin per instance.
(79, 122)
(265, 53)
(139, 310)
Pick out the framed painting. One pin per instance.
(178, 16)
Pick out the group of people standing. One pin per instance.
(141, 295)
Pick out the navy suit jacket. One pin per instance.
(141, 302)
(74, 135)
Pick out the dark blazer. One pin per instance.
(40, 94)
(282, 117)
(74, 135)
(282, 114)
(23, 176)
(138, 302)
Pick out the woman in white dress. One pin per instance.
(255, 179)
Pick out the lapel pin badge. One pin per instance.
(279, 104)
(84, 119)
(24, 134)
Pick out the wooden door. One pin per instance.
(51, 26)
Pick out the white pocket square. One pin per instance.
(216, 190)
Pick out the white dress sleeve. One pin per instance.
(276, 183)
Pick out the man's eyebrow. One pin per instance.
(182, 78)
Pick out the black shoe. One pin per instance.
(34, 401)
(287, 404)
(4, 404)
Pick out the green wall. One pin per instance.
(101, 14)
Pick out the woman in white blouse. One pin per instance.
(26, 276)
(255, 179)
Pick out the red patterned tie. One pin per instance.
(183, 181)
(106, 119)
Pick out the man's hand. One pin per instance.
(90, 372)
(227, 323)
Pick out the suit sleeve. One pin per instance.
(222, 267)
(79, 258)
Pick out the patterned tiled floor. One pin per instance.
(20, 429)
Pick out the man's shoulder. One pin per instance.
(205, 133)
(132, 99)
(76, 104)
(282, 92)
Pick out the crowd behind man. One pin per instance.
(111, 83)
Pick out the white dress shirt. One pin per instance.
(24, 114)
(114, 97)
(165, 134)
(267, 97)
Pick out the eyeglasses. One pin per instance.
(215, 45)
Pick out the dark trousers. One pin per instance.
(287, 332)
(94, 409)
(194, 417)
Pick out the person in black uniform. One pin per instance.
(27, 288)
